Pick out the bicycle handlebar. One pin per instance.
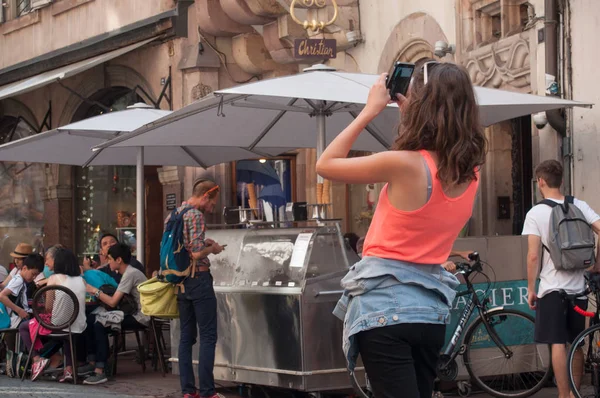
(468, 268)
(571, 298)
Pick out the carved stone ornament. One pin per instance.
(504, 64)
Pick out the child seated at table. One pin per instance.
(14, 298)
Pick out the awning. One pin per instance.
(43, 79)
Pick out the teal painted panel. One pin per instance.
(507, 294)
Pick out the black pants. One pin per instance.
(96, 335)
(400, 360)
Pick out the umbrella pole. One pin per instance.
(321, 142)
(140, 206)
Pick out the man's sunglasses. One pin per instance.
(214, 189)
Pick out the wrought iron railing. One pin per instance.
(23, 7)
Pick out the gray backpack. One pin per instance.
(571, 243)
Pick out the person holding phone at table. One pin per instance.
(197, 301)
(397, 299)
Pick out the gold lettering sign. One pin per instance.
(315, 48)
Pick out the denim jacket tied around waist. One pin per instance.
(381, 292)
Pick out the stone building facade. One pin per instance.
(198, 46)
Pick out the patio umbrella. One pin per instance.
(253, 171)
(72, 145)
(273, 194)
(274, 115)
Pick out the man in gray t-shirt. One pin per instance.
(119, 257)
(130, 280)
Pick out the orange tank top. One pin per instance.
(422, 236)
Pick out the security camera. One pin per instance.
(354, 37)
(442, 48)
(540, 120)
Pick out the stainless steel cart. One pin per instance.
(276, 289)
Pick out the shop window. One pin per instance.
(488, 21)
(265, 185)
(21, 202)
(105, 195)
(105, 201)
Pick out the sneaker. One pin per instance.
(194, 395)
(97, 378)
(217, 395)
(86, 370)
(38, 368)
(66, 377)
(10, 370)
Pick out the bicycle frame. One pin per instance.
(450, 353)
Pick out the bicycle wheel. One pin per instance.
(589, 386)
(521, 372)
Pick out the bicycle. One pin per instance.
(588, 341)
(508, 331)
(498, 330)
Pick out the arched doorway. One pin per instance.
(21, 200)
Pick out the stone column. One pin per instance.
(58, 207)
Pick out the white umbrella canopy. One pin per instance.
(274, 115)
(499, 105)
(72, 145)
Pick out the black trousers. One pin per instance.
(400, 360)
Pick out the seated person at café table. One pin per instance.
(14, 298)
(21, 251)
(95, 278)
(66, 274)
(119, 257)
(106, 242)
(42, 279)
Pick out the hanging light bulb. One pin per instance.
(263, 160)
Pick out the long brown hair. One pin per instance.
(443, 116)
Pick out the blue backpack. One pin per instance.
(4, 317)
(174, 257)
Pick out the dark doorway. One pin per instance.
(522, 171)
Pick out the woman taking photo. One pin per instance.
(397, 299)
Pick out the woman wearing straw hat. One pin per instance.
(21, 251)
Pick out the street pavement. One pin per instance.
(150, 385)
(132, 382)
